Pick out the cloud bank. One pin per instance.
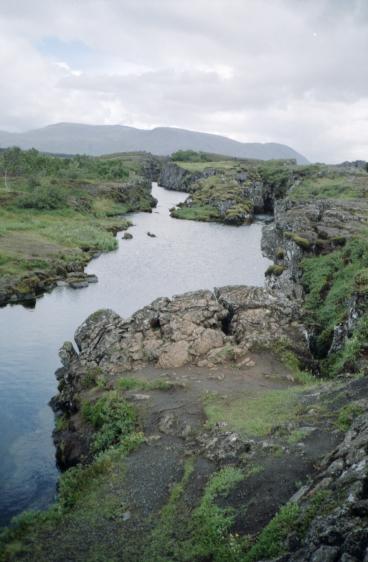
(288, 71)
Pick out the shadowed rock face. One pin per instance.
(342, 534)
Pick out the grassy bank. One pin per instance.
(57, 212)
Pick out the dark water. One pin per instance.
(184, 256)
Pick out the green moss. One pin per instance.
(299, 240)
(275, 270)
(347, 415)
(280, 253)
(238, 214)
(296, 436)
(61, 423)
(90, 377)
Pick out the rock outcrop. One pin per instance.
(308, 228)
(201, 328)
(338, 532)
(177, 178)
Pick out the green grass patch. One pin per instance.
(347, 415)
(270, 542)
(132, 383)
(196, 213)
(162, 545)
(113, 418)
(254, 414)
(330, 281)
(331, 185)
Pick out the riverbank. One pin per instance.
(196, 429)
(30, 337)
(57, 213)
(192, 458)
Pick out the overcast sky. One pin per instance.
(289, 71)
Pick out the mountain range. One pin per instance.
(95, 140)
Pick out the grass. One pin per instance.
(131, 383)
(270, 543)
(200, 166)
(210, 537)
(162, 543)
(291, 518)
(89, 498)
(254, 414)
(113, 418)
(347, 415)
(331, 185)
(330, 281)
(296, 436)
(63, 209)
(196, 213)
(204, 533)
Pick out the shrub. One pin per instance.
(43, 198)
(113, 418)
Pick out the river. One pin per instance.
(184, 256)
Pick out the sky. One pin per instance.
(288, 71)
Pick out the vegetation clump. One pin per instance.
(113, 418)
(275, 269)
(347, 415)
(299, 240)
(330, 282)
(55, 212)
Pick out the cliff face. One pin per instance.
(231, 192)
(176, 178)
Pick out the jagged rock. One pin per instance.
(218, 445)
(341, 534)
(67, 354)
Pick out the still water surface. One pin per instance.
(184, 256)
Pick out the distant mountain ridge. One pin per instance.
(95, 140)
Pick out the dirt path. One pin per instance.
(197, 423)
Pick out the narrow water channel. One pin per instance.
(183, 256)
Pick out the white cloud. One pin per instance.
(290, 71)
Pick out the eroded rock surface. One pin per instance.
(198, 328)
